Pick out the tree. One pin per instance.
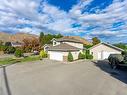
(95, 40)
(46, 39)
(41, 36)
(122, 46)
(31, 44)
(70, 57)
(58, 36)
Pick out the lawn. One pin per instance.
(16, 60)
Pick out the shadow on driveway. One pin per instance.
(8, 91)
(120, 74)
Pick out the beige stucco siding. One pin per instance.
(75, 54)
(78, 45)
(102, 48)
(65, 54)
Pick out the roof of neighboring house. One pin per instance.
(49, 45)
(16, 43)
(68, 39)
(75, 39)
(83, 40)
(63, 47)
(109, 45)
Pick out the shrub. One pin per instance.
(10, 50)
(43, 54)
(81, 56)
(124, 53)
(89, 56)
(70, 57)
(7, 49)
(2, 48)
(8, 44)
(19, 53)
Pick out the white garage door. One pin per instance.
(56, 56)
(104, 55)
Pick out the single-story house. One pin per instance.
(103, 50)
(61, 47)
(14, 44)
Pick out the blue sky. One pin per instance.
(106, 19)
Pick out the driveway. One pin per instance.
(56, 78)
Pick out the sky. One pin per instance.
(105, 19)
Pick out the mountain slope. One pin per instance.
(6, 37)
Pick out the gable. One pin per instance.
(105, 47)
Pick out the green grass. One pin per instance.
(16, 60)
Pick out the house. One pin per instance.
(13, 44)
(84, 41)
(62, 46)
(46, 47)
(103, 50)
(16, 44)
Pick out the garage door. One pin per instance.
(104, 55)
(56, 56)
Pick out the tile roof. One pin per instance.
(63, 47)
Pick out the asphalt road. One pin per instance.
(56, 78)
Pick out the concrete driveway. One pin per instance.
(56, 78)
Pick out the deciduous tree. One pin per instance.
(95, 40)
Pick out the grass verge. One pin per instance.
(16, 60)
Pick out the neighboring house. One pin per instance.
(14, 44)
(61, 47)
(84, 41)
(103, 50)
(46, 47)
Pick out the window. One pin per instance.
(54, 43)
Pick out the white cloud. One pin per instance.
(14, 12)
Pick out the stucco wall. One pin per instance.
(75, 54)
(102, 48)
(65, 54)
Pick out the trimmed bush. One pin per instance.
(81, 56)
(89, 56)
(43, 54)
(70, 57)
(19, 53)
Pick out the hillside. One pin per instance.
(5, 37)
